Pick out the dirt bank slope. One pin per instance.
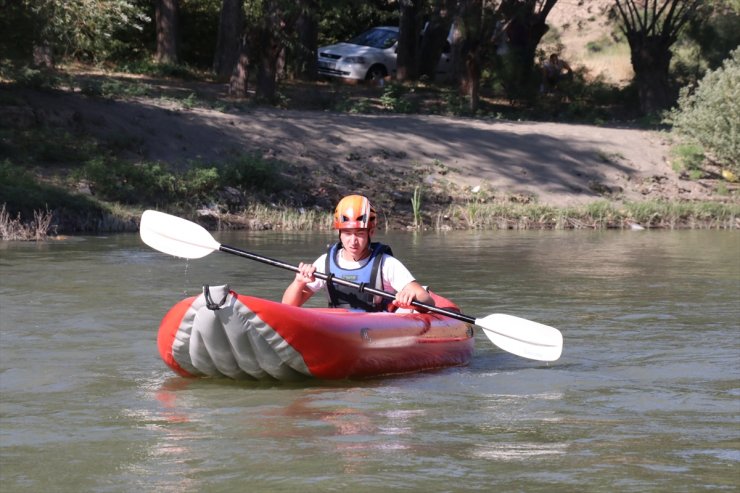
(559, 164)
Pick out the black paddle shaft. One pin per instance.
(361, 287)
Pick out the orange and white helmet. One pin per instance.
(354, 212)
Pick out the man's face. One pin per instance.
(355, 241)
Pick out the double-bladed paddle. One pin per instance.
(182, 238)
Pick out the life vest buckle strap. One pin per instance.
(331, 289)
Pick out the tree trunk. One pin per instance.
(470, 20)
(266, 54)
(435, 38)
(238, 83)
(525, 28)
(408, 41)
(470, 83)
(43, 56)
(167, 31)
(266, 84)
(307, 27)
(651, 60)
(230, 28)
(651, 27)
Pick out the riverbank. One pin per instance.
(422, 170)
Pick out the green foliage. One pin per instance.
(362, 105)
(253, 172)
(149, 67)
(687, 157)
(201, 181)
(706, 42)
(16, 30)
(671, 215)
(715, 32)
(341, 20)
(518, 82)
(46, 146)
(199, 30)
(82, 29)
(395, 99)
(120, 181)
(114, 87)
(597, 215)
(35, 78)
(710, 115)
(455, 103)
(151, 183)
(23, 194)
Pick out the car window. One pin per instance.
(376, 38)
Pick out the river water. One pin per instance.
(646, 396)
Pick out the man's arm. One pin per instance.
(297, 293)
(413, 291)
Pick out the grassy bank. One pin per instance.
(60, 175)
(55, 182)
(598, 216)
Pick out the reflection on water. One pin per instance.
(645, 397)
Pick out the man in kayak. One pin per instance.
(356, 259)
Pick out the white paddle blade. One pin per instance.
(523, 337)
(176, 236)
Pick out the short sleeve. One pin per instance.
(318, 284)
(395, 275)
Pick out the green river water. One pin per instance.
(646, 396)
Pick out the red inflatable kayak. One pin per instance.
(222, 333)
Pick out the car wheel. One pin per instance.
(376, 73)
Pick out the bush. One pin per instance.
(710, 114)
(23, 195)
(687, 157)
(140, 183)
(394, 99)
(153, 183)
(254, 172)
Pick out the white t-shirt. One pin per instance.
(395, 275)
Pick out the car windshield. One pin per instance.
(376, 38)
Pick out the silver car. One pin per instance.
(369, 56)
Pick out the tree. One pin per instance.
(408, 40)
(525, 22)
(230, 28)
(41, 31)
(269, 27)
(481, 26)
(307, 30)
(714, 30)
(651, 27)
(467, 46)
(239, 81)
(435, 37)
(166, 13)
